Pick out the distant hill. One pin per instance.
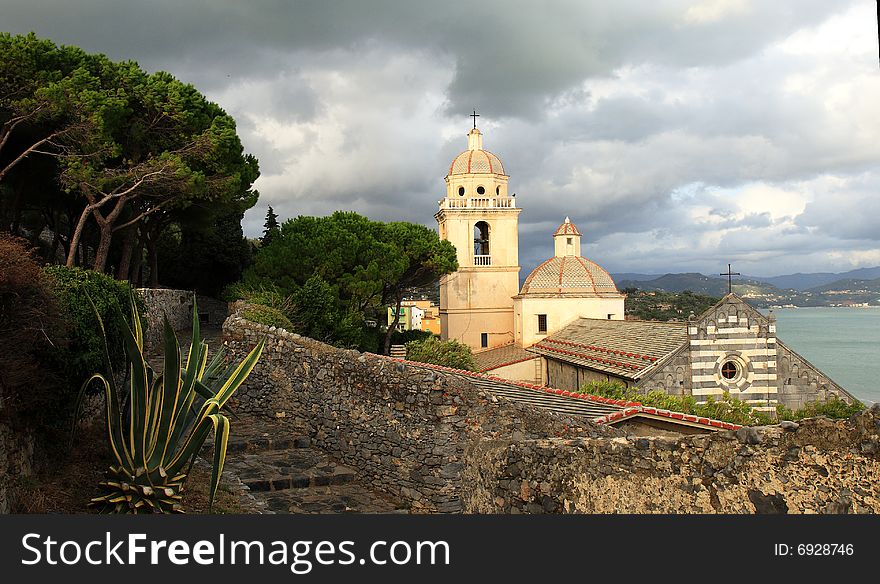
(697, 283)
(801, 281)
(849, 284)
(634, 277)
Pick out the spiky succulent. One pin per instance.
(170, 416)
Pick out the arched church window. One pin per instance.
(481, 239)
(460, 191)
(497, 191)
(481, 190)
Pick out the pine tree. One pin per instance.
(271, 228)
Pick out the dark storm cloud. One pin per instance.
(671, 132)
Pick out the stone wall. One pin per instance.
(404, 427)
(176, 304)
(16, 461)
(817, 466)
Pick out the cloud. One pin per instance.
(678, 135)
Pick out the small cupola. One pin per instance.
(567, 239)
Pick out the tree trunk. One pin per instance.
(153, 256)
(16, 210)
(136, 275)
(125, 256)
(76, 237)
(393, 326)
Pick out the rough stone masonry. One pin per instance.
(442, 444)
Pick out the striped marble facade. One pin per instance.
(735, 333)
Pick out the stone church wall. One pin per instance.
(404, 427)
(800, 382)
(673, 376)
(819, 466)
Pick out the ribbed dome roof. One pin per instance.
(476, 161)
(570, 276)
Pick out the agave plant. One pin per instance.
(169, 417)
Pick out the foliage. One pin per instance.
(108, 156)
(80, 293)
(665, 306)
(204, 258)
(833, 408)
(268, 316)
(271, 227)
(342, 270)
(449, 353)
(404, 337)
(170, 416)
(32, 327)
(727, 409)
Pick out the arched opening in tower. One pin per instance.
(481, 239)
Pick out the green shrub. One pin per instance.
(84, 354)
(727, 409)
(404, 337)
(833, 408)
(447, 353)
(268, 316)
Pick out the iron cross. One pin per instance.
(475, 115)
(730, 274)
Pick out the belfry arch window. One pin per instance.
(481, 239)
(460, 191)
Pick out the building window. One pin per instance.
(729, 370)
(460, 191)
(481, 239)
(568, 240)
(498, 191)
(484, 339)
(481, 191)
(542, 323)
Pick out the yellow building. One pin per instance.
(481, 304)
(481, 220)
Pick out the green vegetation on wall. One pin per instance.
(268, 316)
(449, 353)
(727, 409)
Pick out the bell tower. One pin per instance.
(481, 220)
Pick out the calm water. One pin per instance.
(842, 342)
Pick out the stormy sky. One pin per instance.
(678, 135)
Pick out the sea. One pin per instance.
(842, 342)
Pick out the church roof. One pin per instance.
(624, 348)
(569, 276)
(476, 161)
(501, 356)
(567, 228)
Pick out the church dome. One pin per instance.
(570, 276)
(476, 161)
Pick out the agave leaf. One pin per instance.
(138, 394)
(170, 395)
(196, 437)
(114, 420)
(221, 439)
(240, 374)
